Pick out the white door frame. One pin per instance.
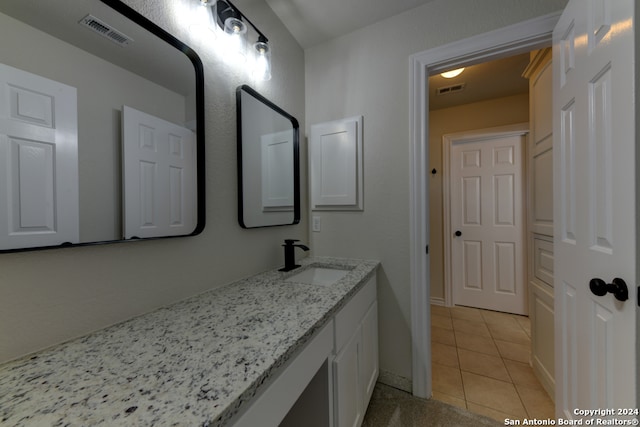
(447, 144)
(511, 40)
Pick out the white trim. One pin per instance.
(438, 301)
(447, 143)
(394, 380)
(518, 38)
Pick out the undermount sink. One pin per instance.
(321, 276)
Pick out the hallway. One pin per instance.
(480, 362)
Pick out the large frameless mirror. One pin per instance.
(268, 162)
(101, 126)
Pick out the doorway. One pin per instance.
(480, 359)
(508, 41)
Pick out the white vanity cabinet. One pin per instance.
(330, 381)
(355, 366)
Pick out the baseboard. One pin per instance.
(437, 301)
(546, 380)
(395, 381)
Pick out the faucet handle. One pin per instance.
(290, 241)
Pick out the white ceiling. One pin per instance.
(312, 22)
(315, 21)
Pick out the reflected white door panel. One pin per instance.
(277, 171)
(38, 161)
(159, 176)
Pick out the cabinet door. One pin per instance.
(335, 150)
(369, 353)
(348, 389)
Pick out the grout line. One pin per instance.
(512, 382)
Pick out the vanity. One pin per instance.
(265, 350)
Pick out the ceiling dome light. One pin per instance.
(453, 73)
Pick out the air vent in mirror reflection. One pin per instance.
(105, 30)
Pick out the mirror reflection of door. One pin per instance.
(138, 68)
(159, 176)
(38, 161)
(277, 173)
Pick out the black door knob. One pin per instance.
(618, 288)
(458, 233)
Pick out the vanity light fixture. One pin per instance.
(232, 21)
(453, 73)
(262, 69)
(202, 24)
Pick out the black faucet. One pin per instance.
(289, 254)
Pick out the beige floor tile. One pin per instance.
(441, 321)
(451, 400)
(492, 350)
(521, 373)
(443, 336)
(447, 380)
(444, 355)
(476, 343)
(510, 324)
(483, 364)
(514, 351)
(470, 327)
(468, 313)
(536, 401)
(440, 310)
(492, 393)
(496, 317)
(510, 335)
(488, 412)
(525, 322)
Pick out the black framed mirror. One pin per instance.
(268, 162)
(101, 127)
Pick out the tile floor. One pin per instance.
(480, 361)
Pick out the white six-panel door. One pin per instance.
(487, 258)
(38, 161)
(159, 176)
(594, 205)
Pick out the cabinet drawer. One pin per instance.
(348, 319)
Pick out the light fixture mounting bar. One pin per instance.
(262, 37)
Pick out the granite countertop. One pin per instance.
(194, 363)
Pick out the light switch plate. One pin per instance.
(316, 224)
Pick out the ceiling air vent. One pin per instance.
(105, 30)
(458, 87)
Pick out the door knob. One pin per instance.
(458, 233)
(618, 288)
